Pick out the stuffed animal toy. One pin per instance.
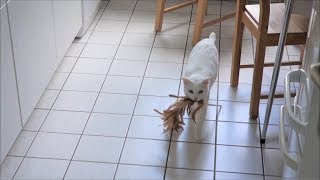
(173, 115)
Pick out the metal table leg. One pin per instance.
(276, 68)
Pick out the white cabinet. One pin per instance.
(67, 22)
(34, 49)
(10, 112)
(89, 11)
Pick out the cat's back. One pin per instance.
(204, 50)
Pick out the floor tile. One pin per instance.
(240, 112)
(187, 135)
(124, 68)
(122, 84)
(133, 53)
(105, 37)
(166, 41)
(191, 156)
(111, 25)
(146, 6)
(246, 45)
(175, 17)
(243, 134)
(272, 136)
(144, 16)
(84, 82)
(233, 176)
(239, 159)
(34, 168)
(65, 122)
(57, 81)
(89, 170)
(47, 99)
(174, 29)
(132, 172)
(145, 152)
(206, 32)
(36, 119)
(93, 24)
(167, 55)
(75, 101)
(108, 124)
(273, 163)
(67, 64)
(226, 58)
(164, 70)
(22, 143)
(182, 174)
(242, 93)
(99, 51)
(141, 27)
(137, 39)
(75, 49)
(159, 87)
(146, 104)
(227, 32)
(115, 103)
(273, 178)
(147, 127)
(9, 167)
(92, 66)
(117, 14)
(53, 145)
(106, 149)
(124, 4)
(274, 115)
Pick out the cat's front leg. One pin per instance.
(199, 119)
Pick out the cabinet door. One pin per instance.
(10, 112)
(34, 49)
(67, 22)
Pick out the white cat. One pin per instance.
(201, 73)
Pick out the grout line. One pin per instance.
(125, 139)
(142, 165)
(181, 74)
(95, 99)
(217, 100)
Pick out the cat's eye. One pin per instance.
(190, 91)
(201, 91)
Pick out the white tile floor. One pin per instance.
(96, 119)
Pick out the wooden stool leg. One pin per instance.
(206, 7)
(201, 10)
(159, 14)
(237, 44)
(257, 79)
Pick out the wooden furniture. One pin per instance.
(199, 20)
(264, 21)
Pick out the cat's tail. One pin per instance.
(213, 36)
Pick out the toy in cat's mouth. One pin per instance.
(173, 115)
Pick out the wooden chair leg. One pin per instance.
(257, 79)
(237, 44)
(206, 7)
(159, 14)
(201, 10)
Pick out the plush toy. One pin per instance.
(173, 115)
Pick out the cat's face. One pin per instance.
(196, 91)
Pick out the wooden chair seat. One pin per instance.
(297, 30)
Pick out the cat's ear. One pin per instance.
(206, 81)
(186, 80)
